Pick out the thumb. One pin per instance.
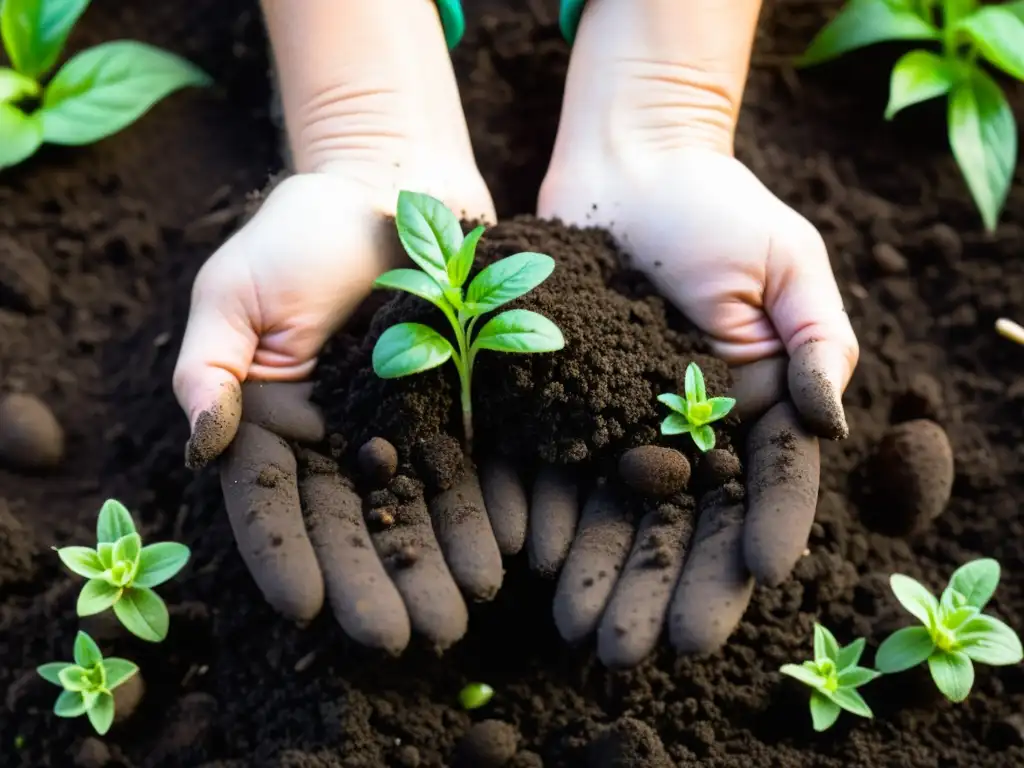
(215, 357)
(803, 302)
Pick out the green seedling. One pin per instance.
(88, 683)
(121, 573)
(96, 93)
(475, 695)
(981, 127)
(834, 678)
(694, 413)
(431, 235)
(955, 633)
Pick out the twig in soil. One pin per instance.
(1008, 329)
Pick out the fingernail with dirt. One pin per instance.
(816, 396)
(215, 428)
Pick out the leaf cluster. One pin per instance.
(96, 93)
(694, 413)
(981, 126)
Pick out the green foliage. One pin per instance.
(694, 413)
(954, 634)
(981, 127)
(834, 677)
(95, 94)
(432, 237)
(121, 573)
(475, 695)
(88, 683)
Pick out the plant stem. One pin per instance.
(467, 416)
(463, 325)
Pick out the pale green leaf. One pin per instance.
(51, 672)
(159, 563)
(82, 560)
(461, 264)
(855, 677)
(429, 232)
(35, 31)
(824, 712)
(101, 713)
(86, 652)
(675, 402)
(96, 596)
(118, 671)
(851, 701)
(825, 645)
(704, 437)
(987, 640)
(20, 135)
(128, 548)
(519, 330)
(696, 391)
(804, 674)
(915, 598)
(143, 613)
(409, 348)
(919, 76)
(865, 22)
(953, 674)
(903, 649)
(75, 678)
(412, 281)
(850, 655)
(976, 581)
(507, 280)
(15, 86)
(114, 522)
(676, 424)
(720, 407)
(69, 704)
(998, 32)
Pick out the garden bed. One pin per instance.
(118, 231)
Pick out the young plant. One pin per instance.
(122, 573)
(96, 93)
(981, 127)
(695, 412)
(475, 695)
(433, 239)
(955, 633)
(87, 683)
(834, 678)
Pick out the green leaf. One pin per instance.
(117, 671)
(851, 701)
(87, 653)
(825, 645)
(976, 581)
(409, 348)
(983, 135)
(114, 522)
(160, 562)
(105, 551)
(51, 672)
(101, 713)
(953, 619)
(412, 281)
(720, 407)
(865, 22)
(69, 704)
(855, 677)
(74, 678)
(696, 392)
(953, 674)
(676, 424)
(104, 89)
(675, 402)
(143, 613)
(903, 649)
(804, 674)
(915, 598)
(34, 31)
(850, 655)
(15, 86)
(20, 135)
(824, 712)
(128, 548)
(919, 76)
(519, 330)
(987, 640)
(475, 695)
(429, 232)
(506, 280)
(96, 596)
(461, 264)
(704, 437)
(998, 32)
(82, 560)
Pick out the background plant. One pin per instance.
(982, 130)
(695, 412)
(432, 237)
(88, 683)
(96, 93)
(121, 573)
(955, 633)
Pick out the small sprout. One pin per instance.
(432, 237)
(694, 413)
(955, 633)
(834, 677)
(475, 695)
(19, 742)
(121, 573)
(1008, 329)
(87, 683)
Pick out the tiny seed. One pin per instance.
(475, 695)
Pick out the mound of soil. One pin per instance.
(121, 228)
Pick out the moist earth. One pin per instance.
(120, 230)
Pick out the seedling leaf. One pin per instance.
(953, 674)
(429, 232)
(915, 598)
(96, 596)
(855, 677)
(34, 31)
(412, 281)
(159, 563)
(804, 674)
(903, 649)
(866, 22)
(51, 672)
(69, 704)
(101, 713)
(507, 280)
(519, 330)
(693, 385)
(824, 711)
(114, 522)
(143, 613)
(461, 264)
(850, 655)
(720, 407)
(74, 678)
(20, 135)
(676, 424)
(15, 86)
(675, 402)
(86, 652)
(475, 695)
(409, 348)
(987, 640)
(999, 34)
(918, 76)
(976, 581)
(82, 561)
(851, 701)
(825, 645)
(128, 548)
(704, 437)
(118, 671)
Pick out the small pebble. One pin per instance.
(128, 696)
(715, 468)
(378, 461)
(408, 757)
(888, 259)
(92, 753)
(654, 471)
(30, 437)
(487, 744)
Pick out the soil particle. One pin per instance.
(17, 565)
(487, 744)
(922, 399)
(128, 696)
(405, 488)
(912, 473)
(92, 753)
(378, 461)
(526, 759)
(628, 743)
(715, 468)
(24, 278)
(439, 461)
(408, 757)
(189, 728)
(30, 436)
(654, 471)
(889, 260)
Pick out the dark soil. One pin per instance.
(121, 228)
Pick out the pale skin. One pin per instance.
(646, 136)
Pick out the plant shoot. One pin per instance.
(475, 695)
(694, 413)
(432, 237)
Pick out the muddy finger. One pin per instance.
(782, 487)
(758, 386)
(283, 408)
(554, 512)
(507, 506)
(362, 596)
(814, 392)
(215, 428)
(592, 568)
(715, 587)
(632, 623)
(258, 481)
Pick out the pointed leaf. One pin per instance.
(160, 562)
(696, 392)
(987, 640)
(114, 522)
(429, 232)
(128, 548)
(69, 704)
(82, 560)
(51, 672)
(976, 581)
(919, 76)
(855, 677)
(803, 674)
(956, 618)
(15, 86)
(915, 598)
(409, 348)
(506, 280)
(720, 407)
(105, 551)
(143, 613)
(998, 31)
(97, 596)
(461, 265)
(903, 649)
(851, 701)
(865, 22)
(825, 645)
(953, 674)
(117, 671)
(101, 713)
(850, 655)
(824, 712)
(676, 424)
(87, 654)
(35, 31)
(675, 402)
(519, 330)
(74, 678)
(704, 437)
(412, 281)
(20, 135)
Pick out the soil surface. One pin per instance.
(115, 234)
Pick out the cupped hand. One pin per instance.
(754, 275)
